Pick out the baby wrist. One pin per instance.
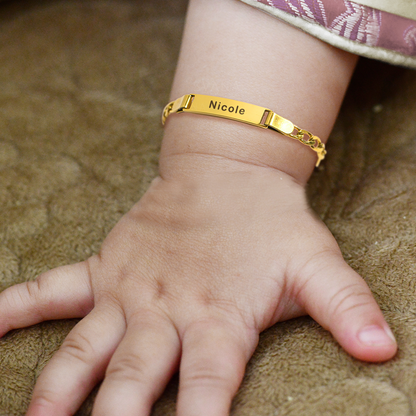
(245, 113)
(192, 140)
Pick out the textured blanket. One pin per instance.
(82, 85)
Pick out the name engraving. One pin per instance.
(226, 109)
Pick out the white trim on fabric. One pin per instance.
(340, 42)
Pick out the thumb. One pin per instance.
(340, 300)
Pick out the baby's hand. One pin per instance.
(187, 280)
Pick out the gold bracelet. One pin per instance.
(245, 113)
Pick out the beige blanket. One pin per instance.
(82, 84)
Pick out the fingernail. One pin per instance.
(376, 335)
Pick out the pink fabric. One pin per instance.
(355, 22)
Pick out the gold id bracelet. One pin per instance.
(245, 113)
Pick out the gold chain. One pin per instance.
(245, 113)
(313, 142)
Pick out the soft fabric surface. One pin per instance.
(82, 84)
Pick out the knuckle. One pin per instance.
(108, 297)
(128, 367)
(308, 271)
(12, 296)
(348, 298)
(38, 288)
(23, 294)
(206, 377)
(35, 287)
(77, 347)
(221, 312)
(43, 399)
(318, 260)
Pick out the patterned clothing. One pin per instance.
(351, 26)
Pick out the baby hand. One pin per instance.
(186, 281)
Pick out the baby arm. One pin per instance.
(221, 246)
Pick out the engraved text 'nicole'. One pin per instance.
(227, 109)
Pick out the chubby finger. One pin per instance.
(79, 364)
(340, 300)
(213, 363)
(140, 368)
(64, 292)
